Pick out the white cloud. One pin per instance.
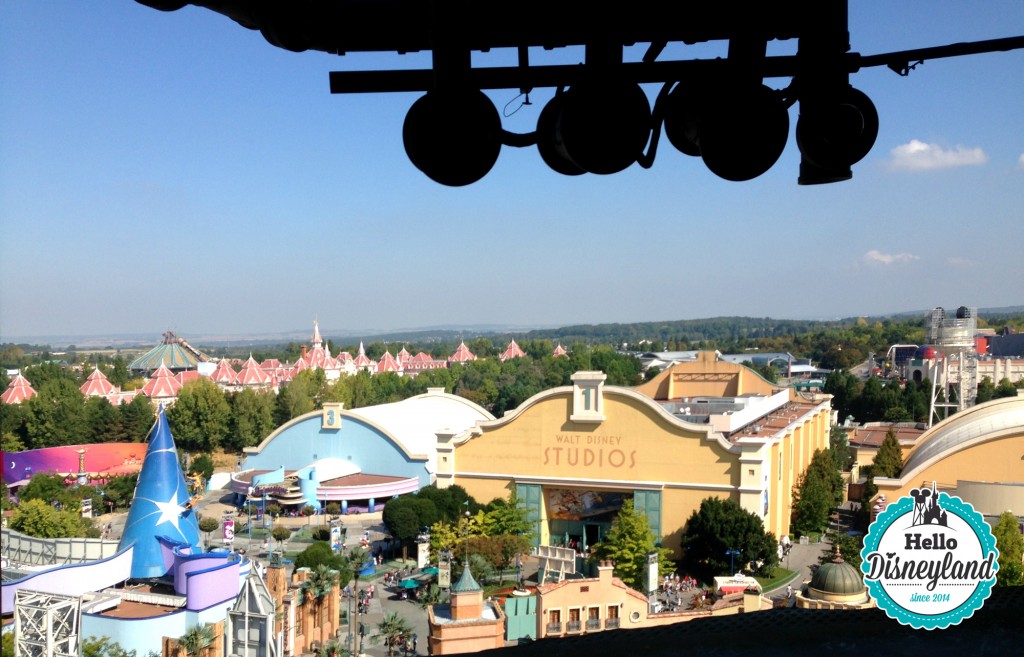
(919, 156)
(878, 258)
(960, 262)
(1020, 160)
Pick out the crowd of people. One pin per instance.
(673, 587)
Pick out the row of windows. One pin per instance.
(574, 619)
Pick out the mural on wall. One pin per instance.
(566, 504)
(100, 460)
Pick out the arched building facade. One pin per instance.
(359, 458)
(976, 454)
(573, 454)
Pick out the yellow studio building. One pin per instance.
(707, 428)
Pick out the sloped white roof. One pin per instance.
(964, 428)
(414, 422)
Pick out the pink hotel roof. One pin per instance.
(18, 390)
(388, 363)
(97, 385)
(252, 375)
(513, 351)
(163, 384)
(224, 373)
(462, 354)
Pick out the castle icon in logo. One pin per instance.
(926, 507)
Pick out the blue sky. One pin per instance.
(175, 170)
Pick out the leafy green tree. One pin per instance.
(38, 518)
(333, 509)
(393, 630)
(402, 519)
(252, 419)
(44, 373)
(46, 487)
(309, 511)
(12, 427)
(627, 544)
(117, 373)
(508, 517)
(839, 447)
(849, 549)
(319, 553)
(888, 462)
(207, 525)
(104, 421)
(1011, 549)
(281, 534)
(721, 525)
(120, 490)
(293, 400)
(7, 647)
(1005, 389)
(812, 504)
(98, 647)
(200, 417)
(450, 502)
(202, 465)
(844, 388)
(56, 415)
(138, 417)
(986, 390)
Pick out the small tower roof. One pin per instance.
(18, 390)
(837, 577)
(466, 583)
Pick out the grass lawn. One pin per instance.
(778, 577)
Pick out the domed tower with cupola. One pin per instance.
(835, 585)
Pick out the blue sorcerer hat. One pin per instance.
(160, 507)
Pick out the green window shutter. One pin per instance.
(648, 502)
(531, 495)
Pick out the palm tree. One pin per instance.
(430, 596)
(394, 629)
(317, 587)
(197, 639)
(332, 649)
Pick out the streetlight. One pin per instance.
(732, 564)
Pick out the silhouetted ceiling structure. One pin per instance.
(600, 120)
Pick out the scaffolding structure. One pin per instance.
(46, 624)
(955, 375)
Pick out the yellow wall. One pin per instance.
(636, 446)
(999, 460)
(633, 444)
(705, 377)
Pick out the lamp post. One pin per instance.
(732, 564)
(465, 537)
(248, 525)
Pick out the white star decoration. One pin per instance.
(170, 511)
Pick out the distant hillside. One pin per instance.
(717, 329)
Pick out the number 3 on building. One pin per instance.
(331, 418)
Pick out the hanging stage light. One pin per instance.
(834, 134)
(549, 144)
(603, 126)
(738, 132)
(453, 136)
